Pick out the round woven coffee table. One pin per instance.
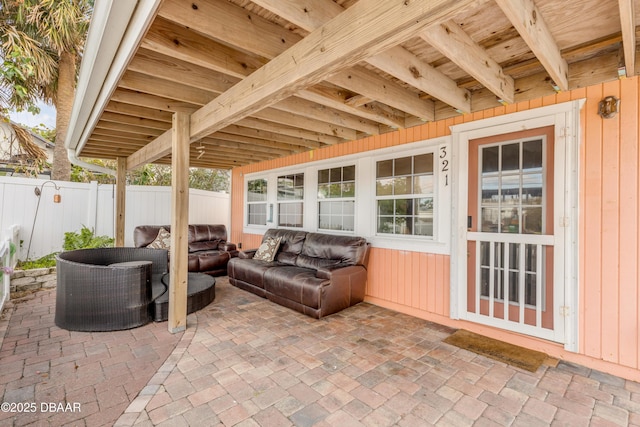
(201, 291)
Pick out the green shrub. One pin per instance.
(86, 238)
(44, 262)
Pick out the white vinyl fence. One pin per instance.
(42, 222)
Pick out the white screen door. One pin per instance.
(510, 241)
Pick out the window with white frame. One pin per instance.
(257, 202)
(336, 198)
(291, 200)
(405, 195)
(397, 197)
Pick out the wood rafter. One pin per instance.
(454, 43)
(334, 99)
(334, 46)
(628, 22)
(234, 26)
(260, 79)
(527, 19)
(269, 136)
(310, 109)
(397, 61)
(374, 86)
(180, 43)
(270, 126)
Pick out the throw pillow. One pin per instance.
(268, 249)
(162, 240)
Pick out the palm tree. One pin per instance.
(57, 28)
(20, 80)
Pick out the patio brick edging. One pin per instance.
(29, 280)
(155, 385)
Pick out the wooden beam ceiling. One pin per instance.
(381, 25)
(266, 78)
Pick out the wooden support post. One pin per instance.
(179, 222)
(121, 195)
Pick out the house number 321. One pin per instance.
(444, 164)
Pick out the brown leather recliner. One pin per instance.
(209, 251)
(313, 273)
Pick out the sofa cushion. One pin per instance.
(207, 232)
(349, 250)
(268, 249)
(211, 261)
(296, 284)
(290, 245)
(315, 263)
(249, 270)
(204, 246)
(162, 240)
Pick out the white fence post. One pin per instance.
(92, 205)
(7, 259)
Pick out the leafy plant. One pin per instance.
(44, 262)
(86, 238)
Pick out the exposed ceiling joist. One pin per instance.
(171, 40)
(628, 23)
(308, 15)
(134, 120)
(403, 65)
(527, 19)
(313, 110)
(224, 21)
(164, 88)
(270, 126)
(373, 86)
(455, 44)
(126, 96)
(397, 61)
(138, 111)
(270, 136)
(381, 25)
(175, 70)
(334, 99)
(234, 26)
(303, 74)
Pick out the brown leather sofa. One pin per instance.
(209, 251)
(313, 273)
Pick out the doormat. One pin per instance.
(523, 358)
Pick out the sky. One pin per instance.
(47, 117)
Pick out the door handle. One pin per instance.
(469, 222)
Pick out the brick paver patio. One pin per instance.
(248, 362)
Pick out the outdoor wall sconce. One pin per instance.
(609, 107)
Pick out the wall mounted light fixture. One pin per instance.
(609, 107)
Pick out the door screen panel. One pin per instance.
(510, 235)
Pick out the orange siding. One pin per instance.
(418, 283)
(628, 253)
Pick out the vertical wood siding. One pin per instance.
(418, 283)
